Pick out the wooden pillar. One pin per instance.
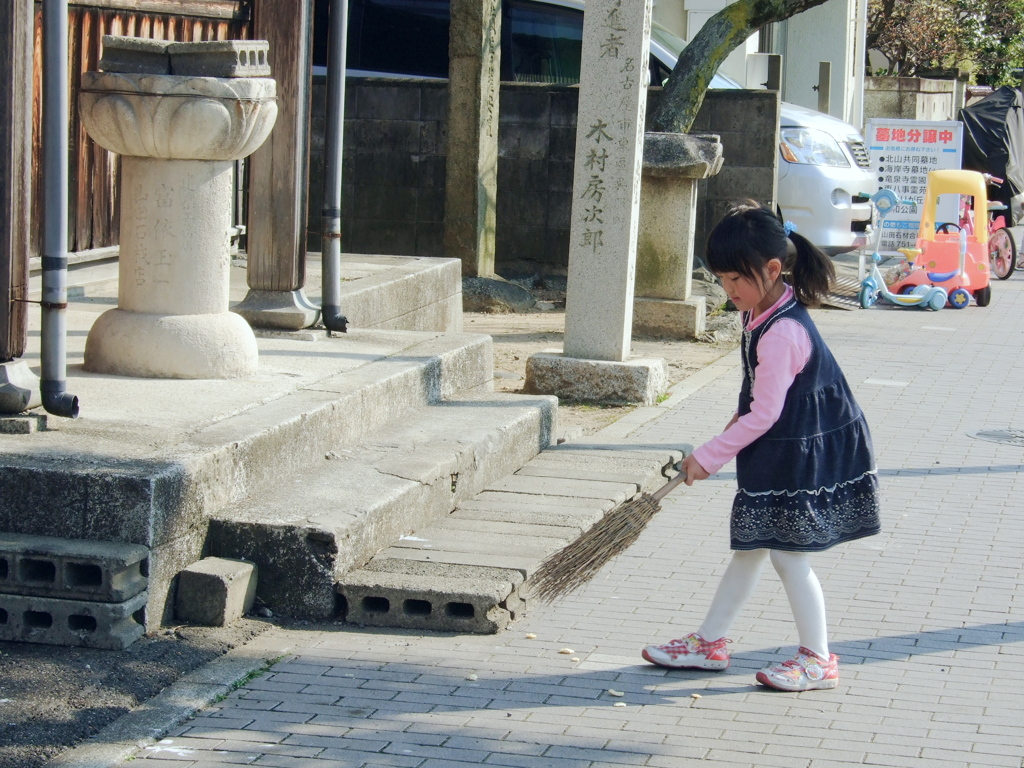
(774, 72)
(472, 157)
(824, 86)
(16, 24)
(278, 175)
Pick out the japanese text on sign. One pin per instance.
(903, 153)
(609, 134)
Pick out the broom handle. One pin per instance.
(670, 486)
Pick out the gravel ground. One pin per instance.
(52, 697)
(517, 336)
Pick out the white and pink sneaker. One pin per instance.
(690, 652)
(804, 672)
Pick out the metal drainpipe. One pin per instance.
(330, 222)
(53, 375)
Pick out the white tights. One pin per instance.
(802, 588)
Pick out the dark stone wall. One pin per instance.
(393, 172)
(748, 124)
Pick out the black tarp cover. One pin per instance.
(994, 143)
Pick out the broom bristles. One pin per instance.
(570, 568)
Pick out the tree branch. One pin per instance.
(700, 60)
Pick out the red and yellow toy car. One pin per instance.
(956, 261)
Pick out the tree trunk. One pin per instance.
(720, 36)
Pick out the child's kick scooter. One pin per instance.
(873, 287)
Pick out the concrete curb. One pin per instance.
(154, 719)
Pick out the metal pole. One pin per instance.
(330, 222)
(53, 376)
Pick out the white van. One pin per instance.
(824, 173)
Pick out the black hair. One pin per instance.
(750, 235)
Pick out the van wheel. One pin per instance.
(983, 296)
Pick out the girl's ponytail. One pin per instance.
(811, 271)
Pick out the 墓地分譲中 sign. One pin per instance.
(903, 153)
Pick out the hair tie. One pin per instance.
(790, 228)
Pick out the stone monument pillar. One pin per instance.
(605, 217)
(179, 135)
(472, 158)
(673, 164)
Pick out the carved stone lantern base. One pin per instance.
(178, 137)
(216, 346)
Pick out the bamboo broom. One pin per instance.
(570, 568)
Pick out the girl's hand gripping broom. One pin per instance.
(572, 567)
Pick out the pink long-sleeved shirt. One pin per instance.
(782, 353)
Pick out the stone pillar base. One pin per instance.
(278, 310)
(19, 387)
(606, 382)
(124, 343)
(669, 318)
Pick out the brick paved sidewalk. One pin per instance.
(927, 617)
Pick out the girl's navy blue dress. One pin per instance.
(809, 482)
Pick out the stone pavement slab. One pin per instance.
(927, 617)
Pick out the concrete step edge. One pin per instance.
(418, 586)
(337, 515)
(388, 298)
(350, 406)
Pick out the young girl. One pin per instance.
(804, 462)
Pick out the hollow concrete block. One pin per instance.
(76, 623)
(134, 55)
(220, 58)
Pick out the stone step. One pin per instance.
(101, 571)
(79, 623)
(409, 293)
(470, 570)
(153, 460)
(314, 526)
